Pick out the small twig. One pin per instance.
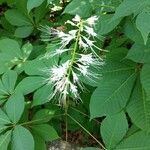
(66, 119)
(102, 146)
(84, 114)
(34, 121)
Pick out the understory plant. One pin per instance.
(76, 71)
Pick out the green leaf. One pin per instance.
(142, 23)
(11, 55)
(113, 129)
(23, 31)
(3, 92)
(105, 25)
(15, 107)
(3, 127)
(46, 131)
(21, 6)
(33, 3)
(145, 80)
(42, 116)
(112, 94)
(30, 84)
(138, 108)
(132, 32)
(3, 118)
(11, 50)
(40, 12)
(5, 140)
(16, 18)
(133, 129)
(35, 67)
(22, 139)
(139, 53)
(42, 95)
(128, 7)
(39, 142)
(81, 7)
(9, 80)
(137, 141)
(26, 50)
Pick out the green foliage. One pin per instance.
(113, 129)
(117, 102)
(81, 7)
(22, 139)
(33, 3)
(139, 140)
(4, 140)
(143, 24)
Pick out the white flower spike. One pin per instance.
(65, 78)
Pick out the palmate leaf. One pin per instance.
(137, 141)
(23, 32)
(42, 116)
(82, 8)
(33, 3)
(7, 84)
(3, 128)
(43, 95)
(3, 118)
(3, 91)
(15, 107)
(22, 139)
(105, 25)
(132, 32)
(145, 80)
(113, 129)
(11, 50)
(5, 140)
(139, 108)
(47, 132)
(11, 55)
(112, 93)
(139, 53)
(128, 7)
(30, 84)
(17, 18)
(39, 142)
(142, 23)
(9, 80)
(39, 68)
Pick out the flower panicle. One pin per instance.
(66, 77)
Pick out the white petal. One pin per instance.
(83, 44)
(90, 31)
(91, 21)
(71, 23)
(76, 18)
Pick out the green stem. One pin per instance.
(84, 114)
(75, 49)
(34, 121)
(102, 146)
(66, 120)
(73, 54)
(69, 70)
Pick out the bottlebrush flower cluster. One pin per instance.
(65, 77)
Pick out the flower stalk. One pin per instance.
(75, 49)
